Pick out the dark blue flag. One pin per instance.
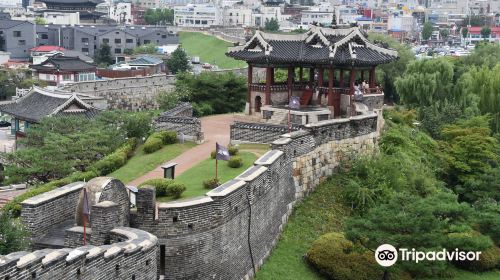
(221, 152)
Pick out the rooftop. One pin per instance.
(64, 63)
(47, 48)
(341, 46)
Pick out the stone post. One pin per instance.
(146, 206)
(104, 217)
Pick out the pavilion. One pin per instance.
(334, 58)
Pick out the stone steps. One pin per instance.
(278, 117)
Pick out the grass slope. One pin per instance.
(194, 177)
(319, 213)
(141, 163)
(210, 49)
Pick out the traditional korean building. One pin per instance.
(40, 103)
(58, 69)
(329, 61)
(86, 8)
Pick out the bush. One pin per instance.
(488, 260)
(153, 144)
(116, 159)
(14, 236)
(211, 183)
(165, 187)
(338, 258)
(175, 190)
(235, 162)
(167, 137)
(233, 150)
(213, 154)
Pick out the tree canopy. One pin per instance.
(271, 25)
(178, 61)
(427, 31)
(103, 55)
(159, 16)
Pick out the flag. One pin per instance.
(294, 102)
(221, 152)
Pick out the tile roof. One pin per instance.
(40, 103)
(145, 60)
(344, 47)
(7, 23)
(72, 1)
(64, 63)
(47, 48)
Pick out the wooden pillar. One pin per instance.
(272, 75)
(330, 87)
(321, 71)
(352, 78)
(267, 100)
(372, 77)
(289, 82)
(249, 93)
(341, 78)
(311, 77)
(362, 75)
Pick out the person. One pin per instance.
(363, 86)
(377, 90)
(366, 87)
(358, 94)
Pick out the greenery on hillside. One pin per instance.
(210, 49)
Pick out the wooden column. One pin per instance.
(249, 94)
(321, 71)
(372, 77)
(272, 75)
(341, 78)
(267, 100)
(362, 75)
(311, 77)
(352, 78)
(330, 87)
(289, 82)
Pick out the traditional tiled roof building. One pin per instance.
(60, 69)
(334, 50)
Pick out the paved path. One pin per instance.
(215, 128)
(7, 196)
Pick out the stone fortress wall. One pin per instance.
(133, 94)
(229, 232)
(180, 119)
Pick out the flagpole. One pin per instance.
(216, 168)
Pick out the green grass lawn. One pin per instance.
(141, 163)
(204, 170)
(210, 49)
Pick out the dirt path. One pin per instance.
(215, 128)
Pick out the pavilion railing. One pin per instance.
(277, 87)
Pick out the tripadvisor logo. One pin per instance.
(386, 255)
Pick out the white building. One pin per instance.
(401, 22)
(346, 14)
(121, 13)
(321, 14)
(197, 15)
(148, 4)
(236, 15)
(62, 18)
(266, 13)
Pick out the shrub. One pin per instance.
(233, 150)
(153, 144)
(168, 137)
(488, 260)
(213, 154)
(235, 162)
(211, 183)
(165, 187)
(116, 159)
(14, 236)
(338, 258)
(175, 190)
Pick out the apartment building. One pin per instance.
(197, 15)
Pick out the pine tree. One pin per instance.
(103, 55)
(178, 62)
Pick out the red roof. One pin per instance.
(47, 49)
(477, 29)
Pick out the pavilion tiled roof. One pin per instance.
(319, 46)
(40, 103)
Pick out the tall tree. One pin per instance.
(427, 31)
(103, 55)
(178, 61)
(159, 16)
(465, 32)
(445, 32)
(485, 32)
(271, 25)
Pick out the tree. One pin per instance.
(445, 32)
(271, 25)
(427, 31)
(388, 73)
(485, 32)
(147, 48)
(465, 32)
(103, 55)
(40, 21)
(178, 61)
(408, 221)
(474, 20)
(13, 237)
(159, 16)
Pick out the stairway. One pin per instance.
(278, 117)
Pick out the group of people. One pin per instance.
(363, 87)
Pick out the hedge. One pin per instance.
(211, 183)
(235, 162)
(156, 141)
(165, 187)
(337, 257)
(109, 162)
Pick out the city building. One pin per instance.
(58, 70)
(62, 18)
(197, 15)
(474, 35)
(19, 38)
(321, 14)
(85, 8)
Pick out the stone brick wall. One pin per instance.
(180, 119)
(133, 94)
(373, 101)
(132, 255)
(257, 132)
(41, 213)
